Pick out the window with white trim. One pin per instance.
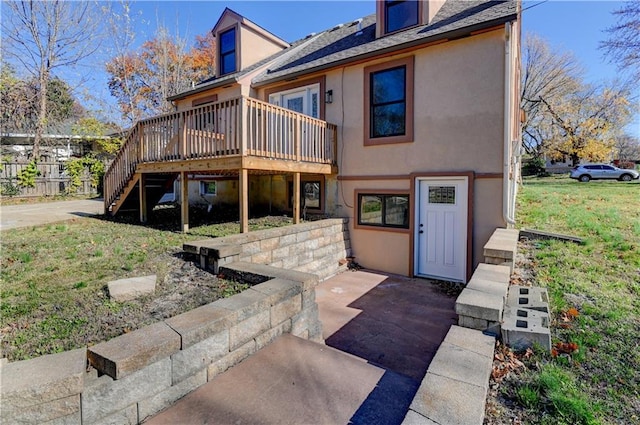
(305, 100)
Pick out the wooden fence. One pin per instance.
(52, 181)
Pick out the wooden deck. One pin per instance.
(238, 136)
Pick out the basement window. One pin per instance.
(208, 188)
(383, 210)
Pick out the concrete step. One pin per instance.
(295, 381)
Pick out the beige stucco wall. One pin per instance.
(255, 47)
(458, 126)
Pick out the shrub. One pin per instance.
(534, 167)
(628, 165)
(27, 176)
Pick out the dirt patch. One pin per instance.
(181, 286)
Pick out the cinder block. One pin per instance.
(531, 297)
(127, 416)
(493, 272)
(479, 305)
(42, 379)
(103, 396)
(471, 340)
(244, 305)
(231, 359)
(494, 287)
(248, 329)
(413, 418)
(463, 365)
(269, 336)
(169, 396)
(304, 320)
(448, 401)
(278, 290)
(59, 409)
(128, 353)
(199, 356)
(286, 309)
(485, 326)
(200, 323)
(520, 333)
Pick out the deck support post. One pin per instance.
(296, 198)
(243, 187)
(142, 195)
(184, 198)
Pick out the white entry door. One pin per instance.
(441, 228)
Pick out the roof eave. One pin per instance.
(455, 34)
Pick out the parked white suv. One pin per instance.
(584, 173)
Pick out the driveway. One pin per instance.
(16, 216)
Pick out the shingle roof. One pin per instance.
(343, 44)
(338, 45)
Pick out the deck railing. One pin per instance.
(239, 126)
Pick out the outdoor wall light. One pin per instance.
(328, 96)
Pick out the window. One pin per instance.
(383, 210)
(442, 194)
(400, 14)
(228, 51)
(208, 188)
(389, 102)
(310, 194)
(305, 100)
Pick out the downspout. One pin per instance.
(507, 212)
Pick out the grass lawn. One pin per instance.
(595, 301)
(53, 278)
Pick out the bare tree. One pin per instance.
(628, 148)
(43, 36)
(623, 44)
(546, 74)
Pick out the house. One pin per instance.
(405, 121)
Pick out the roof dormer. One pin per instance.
(242, 43)
(397, 15)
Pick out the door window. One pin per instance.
(304, 100)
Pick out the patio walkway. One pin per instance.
(381, 333)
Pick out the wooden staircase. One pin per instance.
(229, 137)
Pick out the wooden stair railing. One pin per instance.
(238, 126)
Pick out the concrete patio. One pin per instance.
(381, 331)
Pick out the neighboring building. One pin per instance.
(54, 147)
(405, 121)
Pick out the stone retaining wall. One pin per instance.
(134, 376)
(317, 247)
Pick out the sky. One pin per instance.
(577, 26)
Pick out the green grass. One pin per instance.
(53, 277)
(600, 383)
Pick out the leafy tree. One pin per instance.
(142, 80)
(549, 74)
(587, 122)
(94, 130)
(42, 36)
(623, 44)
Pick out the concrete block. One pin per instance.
(278, 290)
(308, 298)
(251, 248)
(280, 253)
(218, 250)
(193, 247)
(128, 353)
(492, 272)
(306, 319)
(463, 365)
(286, 309)
(531, 297)
(494, 287)
(200, 323)
(414, 418)
(42, 379)
(199, 356)
(521, 332)
(103, 396)
(231, 359)
(248, 329)
(286, 240)
(479, 305)
(131, 288)
(73, 419)
(166, 398)
(263, 257)
(244, 305)
(127, 416)
(448, 401)
(269, 244)
(471, 340)
(270, 335)
(51, 410)
(307, 280)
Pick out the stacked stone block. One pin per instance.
(316, 247)
(502, 247)
(135, 375)
(525, 320)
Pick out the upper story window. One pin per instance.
(389, 102)
(400, 14)
(228, 51)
